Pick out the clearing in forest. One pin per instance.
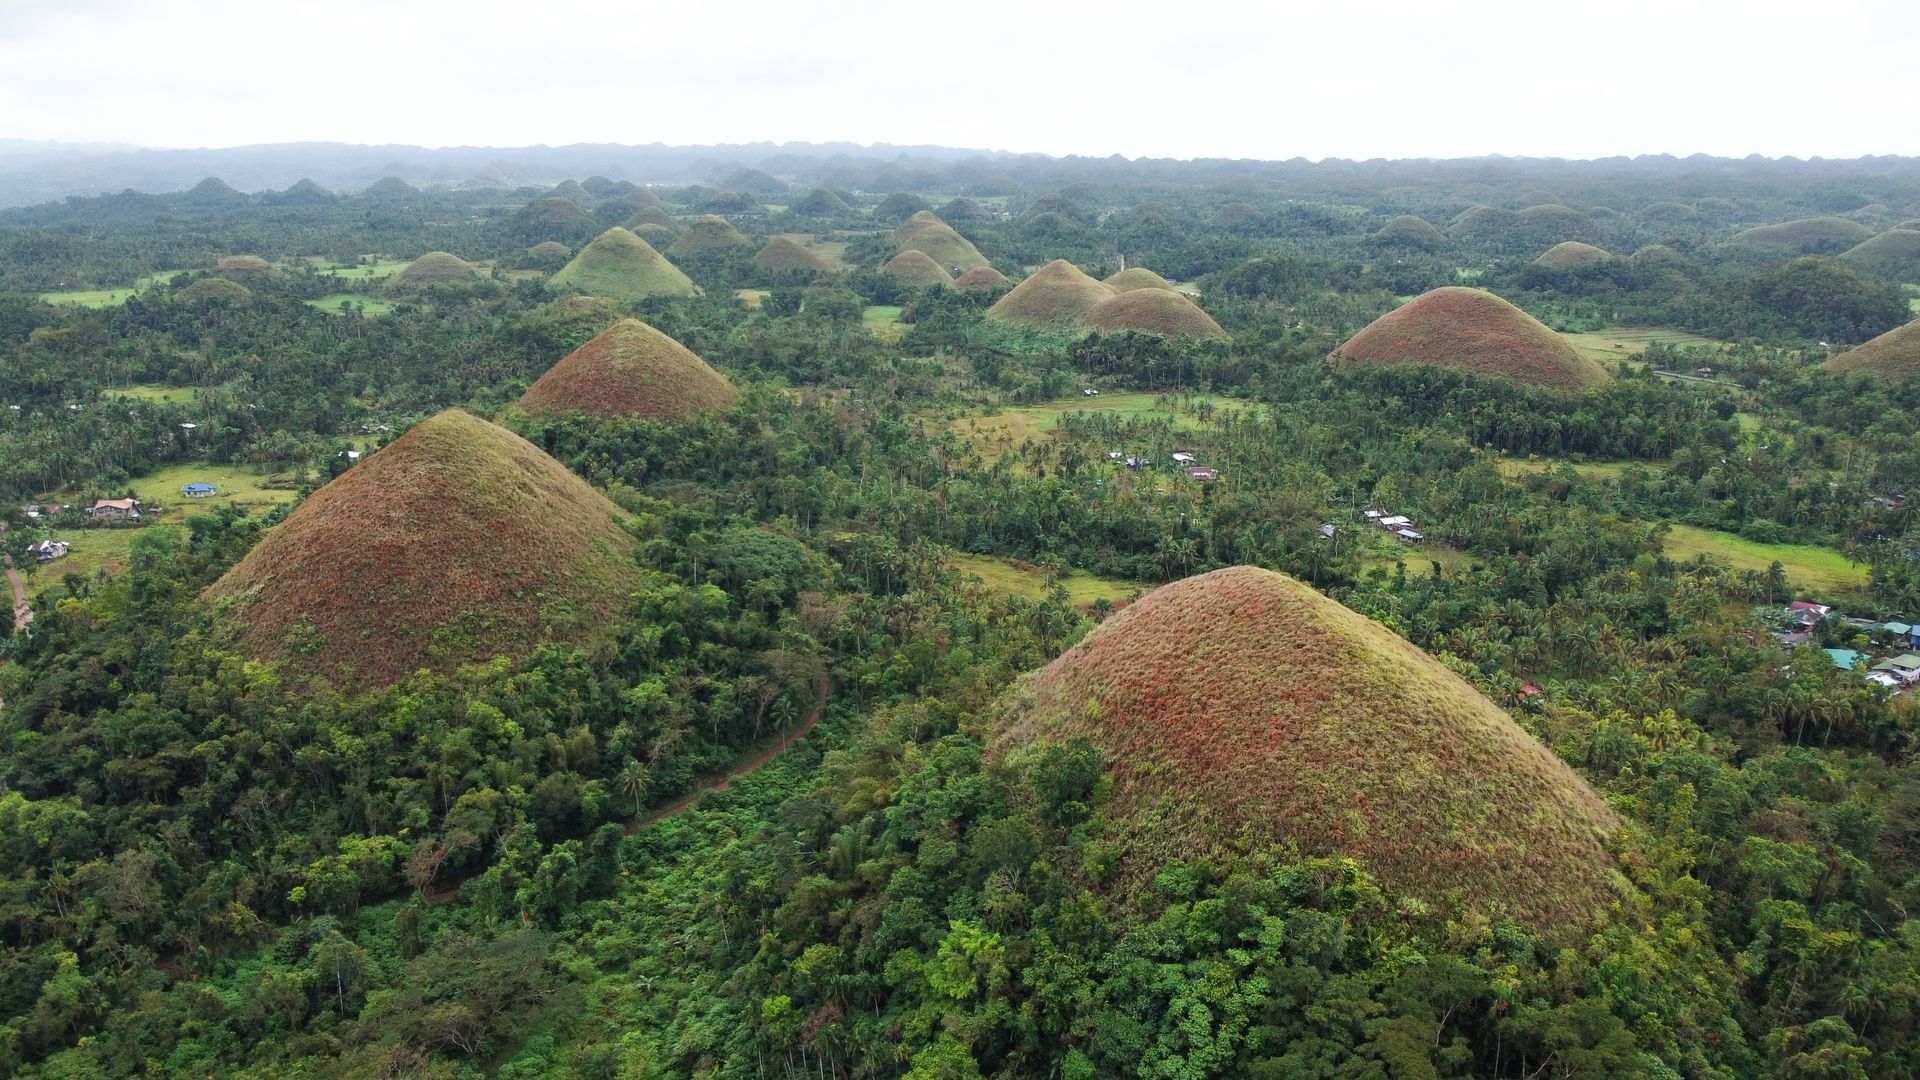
(1808, 566)
(1021, 423)
(1613, 344)
(1011, 577)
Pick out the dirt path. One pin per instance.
(703, 786)
(22, 611)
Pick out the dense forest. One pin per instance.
(762, 829)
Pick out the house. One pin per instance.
(39, 510)
(1374, 515)
(1411, 536)
(1396, 522)
(116, 509)
(1844, 659)
(47, 550)
(1884, 678)
(1134, 462)
(1203, 474)
(1905, 667)
(197, 491)
(1326, 532)
(1183, 457)
(1112, 455)
(1804, 614)
(1530, 691)
(1089, 393)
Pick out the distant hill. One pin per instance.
(1242, 707)
(459, 542)
(620, 266)
(434, 270)
(551, 218)
(781, 255)
(1137, 277)
(1894, 355)
(1153, 311)
(630, 369)
(1058, 296)
(1409, 231)
(212, 289)
(926, 232)
(982, 278)
(1820, 235)
(820, 202)
(1573, 255)
(1476, 331)
(1893, 254)
(706, 236)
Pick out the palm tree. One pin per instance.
(634, 779)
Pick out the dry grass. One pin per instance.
(926, 232)
(459, 542)
(1476, 331)
(434, 270)
(1807, 235)
(1153, 311)
(1137, 277)
(1410, 231)
(1055, 297)
(1242, 706)
(630, 369)
(782, 255)
(620, 266)
(916, 268)
(240, 266)
(708, 235)
(211, 290)
(1894, 354)
(982, 279)
(1573, 255)
(1893, 254)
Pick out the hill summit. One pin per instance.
(924, 231)
(1153, 311)
(1058, 296)
(1473, 330)
(782, 255)
(1573, 255)
(1244, 706)
(459, 542)
(916, 267)
(620, 266)
(434, 270)
(1137, 277)
(1894, 354)
(630, 369)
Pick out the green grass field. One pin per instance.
(239, 486)
(96, 298)
(883, 322)
(1806, 565)
(1913, 298)
(1009, 578)
(89, 551)
(178, 395)
(1617, 343)
(369, 305)
(1383, 552)
(1023, 422)
(1519, 468)
(365, 272)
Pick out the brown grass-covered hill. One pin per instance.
(630, 369)
(1409, 231)
(213, 290)
(1807, 236)
(782, 255)
(926, 232)
(1891, 254)
(247, 266)
(916, 267)
(1573, 255)
(434, 270)
(1137, 277)
(459, 542)
(620, 266)
(1476, 331)
(980, 278)
(1242, 706)
(649, 215)
(1153, 311)
(1058, 296)
(708, 235)
(1894, 354)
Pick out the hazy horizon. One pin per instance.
(1213, 80)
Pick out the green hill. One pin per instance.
(1058, 296)
(820, 202)
(459, 542)
(1892, 254)
(213, 289)
(1475, 331)
(782, 255)
(551, 218)
(247, 266)
(1573, 255)
(1819, 235)
(925, 232)
(1242, 708)
(434, 270)
(898, 207)
(630, 369)
(649, 215)
(1894, 355)
(621, 266)
(1409, 231)
(709, 235)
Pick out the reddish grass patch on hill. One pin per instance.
(1241, 708)
(1057, 296)
(1817, 235)
(924, 231)
(1137, 277)
(621, 266)
(710, 234)
(782, 255)
(1474, 330)
(1573, 255)
(1894, 354)
(917, 268)
(630, 369)
(434, 270)
(459, 542)
(981, 279)
(1153, 311)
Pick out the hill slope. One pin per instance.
(710, 234)
(630, 369)
(782, 255)
(916, 267)
(926, 232)
(1137, 277)
(1242, 704)
(1892, 254)
(459, 542)
(1894, 354)
(1820, 235)
(1055, 297)
(620, 266)
(981, 278)
(1573, 255)
(1474, 330)
(1153, 311)
(435, 269)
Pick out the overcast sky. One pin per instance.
(1167, 79)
